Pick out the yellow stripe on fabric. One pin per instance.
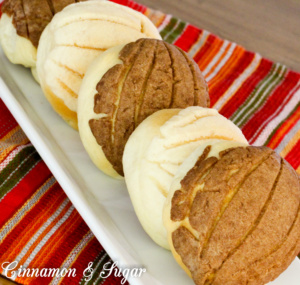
(11, 140)
(9, 134)
(291, 144)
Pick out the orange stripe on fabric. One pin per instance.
(45, 232)
(24, 206)
(215, 47)
(226, 69)
(11, 133)
(241, 83)
(56, 241)
(33, 226)
(219, 60)
(290, 144)
(277, 137)
(78, 253)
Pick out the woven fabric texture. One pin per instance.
(39, 226)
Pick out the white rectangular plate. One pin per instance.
(102, 202)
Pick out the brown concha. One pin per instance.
(243, 215)
(154, 75)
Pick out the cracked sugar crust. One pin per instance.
(244, 208)
(154, 75)
(30, 17)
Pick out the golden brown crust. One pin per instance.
(245, 210)
(154, 76)
(59, 106)
(30, 17)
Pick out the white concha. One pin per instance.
(19, 50)
(157, 148)
(74, 38)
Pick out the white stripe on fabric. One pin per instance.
(216, 58)
(222, 62)
(288, 138)
(165, 22)
(96, 268)
(173, 29)
(17, 168)
(11, 156)
(258, 101)
(275, 119)
(199, 43)
(29, 204)
(238, 82)
(70, 259)
(47, 236)
(20, 179)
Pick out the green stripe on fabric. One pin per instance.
(11, 166)
(17, 169)
(244, 112)
(97, 268)
(168, 28)
(282, 122)
(177, 32)
(98, 279)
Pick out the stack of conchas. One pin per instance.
(228, 211)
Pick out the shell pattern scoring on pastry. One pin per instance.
(233, 215)
(22, 24)
(74, 38)
(158, 147)
(139, 79)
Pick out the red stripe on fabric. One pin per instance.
(220, 88)
(8, 123)
(279, 134)
(0, 8)
(10, 242)
(61, 243)
(89, 254)
(131, 4)
(280, 108)
(293, 157)
(54, 205)
(15, 198)
(200, 55)
(273, 102)
(188, 38)
(246, 89)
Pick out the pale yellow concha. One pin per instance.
(74, 38)
(157, 148)
(19, 50)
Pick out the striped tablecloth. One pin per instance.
(39, 226)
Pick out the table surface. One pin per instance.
(270, 27)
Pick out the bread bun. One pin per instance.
(74, 38)
(156, 149)
(127, 84)
(232, 215)
(22, 24)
